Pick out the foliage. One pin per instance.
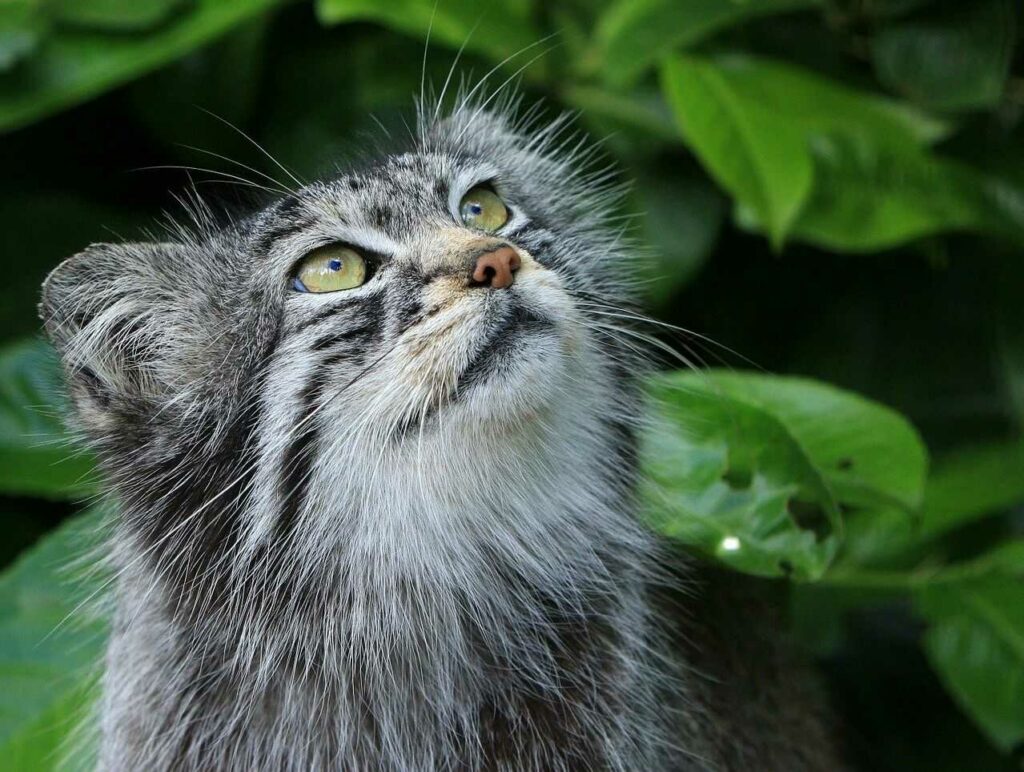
(833, 187)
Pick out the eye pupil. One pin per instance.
(334, 265)
(476, 208)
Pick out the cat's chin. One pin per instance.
(517, 378)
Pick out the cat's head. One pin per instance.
(448, 303)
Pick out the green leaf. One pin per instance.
(755, 154)
(499, 29)
(868, 197)
(682, 215)
(120, 15)
(964, 485)
(752, 121)
(975, 642)
(22, 26)
(727, 478)
(868, 453)
(71, 65)
(643, 115)
(634, 34)
(752, 469)
(36, 455)
(48, 662)
(956, 57)
(971, 483)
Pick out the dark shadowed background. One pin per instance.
(832, 195)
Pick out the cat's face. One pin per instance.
(439, 296)
(412, 339)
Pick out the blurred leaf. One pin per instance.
(965, 485)
(682, 217)
(48, 663)
(312, 126)
(122, 15)
(634, 34)
(868, 197)
(975, 642)
(74, 65)
(170, 101)
(972, 483)
(751, 122)
(36, 455)
(879, 9)
(644, 116)
(41, 228)
(955, 57)
(22, 26)
(498, 29)
(866, 452)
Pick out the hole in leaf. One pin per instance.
(844, 464)
(738, 479)
(810, 516)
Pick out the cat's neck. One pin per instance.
(442, 625)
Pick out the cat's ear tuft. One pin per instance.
(104, 310)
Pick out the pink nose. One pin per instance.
(497, 268)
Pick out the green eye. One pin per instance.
(481, 208)
(329, 269)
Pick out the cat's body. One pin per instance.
(392, 527)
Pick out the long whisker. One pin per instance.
(641, 317)
(258, 146)
(451, 70)
(468, 97)
(226, 175)
(264, 175)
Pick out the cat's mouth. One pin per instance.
(489, 358)
(505, 338)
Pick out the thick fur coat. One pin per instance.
(393, 528)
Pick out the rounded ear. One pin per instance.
(104, 309)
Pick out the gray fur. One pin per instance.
(392, 528)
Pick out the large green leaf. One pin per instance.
(975, 641)
(37, 457)
(51, 642)
(868, 197)
(964, 485)
(753, 469)
(754, 153)
(498, 29)
(73, 65)
(633, 34)
(955, 57)
(22, 26)
(752, 123)
(121, 15)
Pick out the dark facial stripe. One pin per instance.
(369, 301)
(297, 462)
(356, 333)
